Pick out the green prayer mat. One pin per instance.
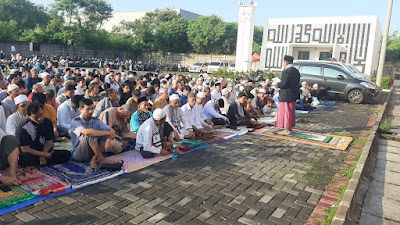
(191, 143)
(306, 136)
(14, 196)
(65, 145)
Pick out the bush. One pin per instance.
(385, 83)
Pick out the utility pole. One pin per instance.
(384, 44)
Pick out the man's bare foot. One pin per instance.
(93, 162)
(285, 132)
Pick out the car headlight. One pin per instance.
(367, 85)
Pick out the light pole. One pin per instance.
(384, 44)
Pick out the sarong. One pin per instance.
(286, 115)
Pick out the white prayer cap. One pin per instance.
(225, 91)
(267, 80)
(44, 74)
(13, 71)
(162, 91)
(131, 76)
(264, 84)
(173, 97)
(315, 85)
(274, 83)
(20, 99)
(302, 83)
(241, 88)
(123, 73)
(12, 87)
(262, 91)
(158, 114)
(276, 79)
(201, 95)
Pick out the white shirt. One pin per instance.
(47, 87)
(210, 112)
(144, 138)
(3, 119)
(64, 115)
(216, 95)
(8, 106)
(183, 119)
(107, 78)
(13, 122)
(227, 103)
(114, 86)
(79, 90)
(193, 115)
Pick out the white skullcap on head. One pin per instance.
(45, 74)
(158, 114)
(201, 95)
(162, 91)
(123, 73)
(131, 76)
(12, 87)
(264, 84)
(173, 97)
(241, 88)
(225, 91)
(315, 85)
(303, 82)
(262, 91)
(20, 99)
(274, 83)
(267, 80)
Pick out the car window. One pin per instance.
(214, 63)
(311, 70)
(197, 64)
(296, 66)
(332, 73)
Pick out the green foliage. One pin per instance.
(393, 48)
(206, 34)
(385, 82)
(9, 30)
(386, 125)
(226, 74)
(26, 14)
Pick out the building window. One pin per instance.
(325, 55)
(304, 55)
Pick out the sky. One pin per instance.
(228, 9)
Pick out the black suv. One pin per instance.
(338, 81)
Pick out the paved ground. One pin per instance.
(247, 180)
(383, 196)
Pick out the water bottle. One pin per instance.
(175, 153)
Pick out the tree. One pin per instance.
(206, 34)
(26, 14)
(230, 38)
(171, 36)
(85, 13)
(9, 30)
(393, 48)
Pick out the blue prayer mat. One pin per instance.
(79, 174)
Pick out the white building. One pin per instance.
(118, 17)
(355, 39)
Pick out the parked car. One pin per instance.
(358, 72)
(199, 67)
(231, 68)
(338, 81)
(217, 65)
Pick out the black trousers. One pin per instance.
(218, 121)
(58, 157)
(146, 154)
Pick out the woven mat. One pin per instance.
(41, 184)
(79, 174)
(14, 196)
(266, 120)
(134, 161)
(323, 140)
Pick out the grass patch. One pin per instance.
(386, 125)
(332, 211)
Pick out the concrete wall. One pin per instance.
(64, 50)
(392, 69)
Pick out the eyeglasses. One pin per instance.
(22, 105)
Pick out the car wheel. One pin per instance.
(355, 96)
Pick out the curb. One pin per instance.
(349, 210)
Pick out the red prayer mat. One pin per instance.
(40, 183)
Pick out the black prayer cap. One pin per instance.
(142, 99)
(242, 94)
(288, 58)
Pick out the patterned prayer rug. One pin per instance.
(63, 145)
(229, 133)
(79, 174)
(210, 139)
(14, 196)
(191, 143)
(41, 184)
(134, 161)
(266, 120)
(323, 140)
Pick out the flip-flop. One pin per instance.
(112, 166)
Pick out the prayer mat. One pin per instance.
(191, 143)
(210, 139)
(41, 184)
(266, 120)
(323, 140)
(14, 196)
(233, 133)
(65, 145)
(79, 174)
(134, 161)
